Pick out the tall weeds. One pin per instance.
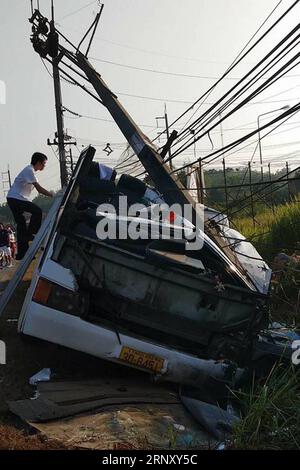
(273, 232)
(271, 413)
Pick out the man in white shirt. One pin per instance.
(19, 202)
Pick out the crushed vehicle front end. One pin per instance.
(150, 304)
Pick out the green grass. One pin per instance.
(271, 413)
(273, 232)
(271, 410)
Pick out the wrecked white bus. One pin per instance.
(147, 303)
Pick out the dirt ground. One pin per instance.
(26, 356)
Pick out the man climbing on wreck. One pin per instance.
(18, 200)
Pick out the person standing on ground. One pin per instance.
(12, 241)
(4, 247)
(19, 202)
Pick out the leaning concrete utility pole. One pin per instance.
(60, 125)
(168, 136)
(6, 180)
(59, 115)
(223, 258)
(165, 118)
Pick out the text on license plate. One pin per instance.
(141, 359)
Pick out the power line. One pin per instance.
(228, 147)
(296, 2)
(184, 58)
(126, 46)
(175, 74)
(260, 183)
(276, 76)
(271, 80)
(268, 184)
(185, 75)
(170, 100)
(238, 59)
(230, 68)
(48, 71)
(271, 184)
(77, 11)
(161, 72)
(151, 98)
(234, 144)
(100, 119)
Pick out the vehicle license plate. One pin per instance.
(141, 359)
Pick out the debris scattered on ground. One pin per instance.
(142, 425)
(120, 411)
(282, 259)
(217, 421)
(62, 399)
(43, 375)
